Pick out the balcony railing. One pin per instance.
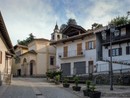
(70, 54)
(116, 39)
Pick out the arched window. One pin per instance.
(58, 36)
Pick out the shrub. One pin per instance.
(88, 83)
(57, 78)
(76, 79)
(65, 81)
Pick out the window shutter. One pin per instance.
(86, 45)
(120, 51)
(65, 51)
(109, 52)
(79, 48)
(94, 44)
(0, 57)
(127, 50)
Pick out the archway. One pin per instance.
(32, 70)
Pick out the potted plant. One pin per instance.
(57, 79)
(65, 83)
(87, 90)
(76, 87)
(93, 93)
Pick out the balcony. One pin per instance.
(71, 54)
(115, 40)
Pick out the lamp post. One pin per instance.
(116, 33)
(112, 29)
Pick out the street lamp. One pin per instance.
(112, 29)
(116, 33)
(128, 13)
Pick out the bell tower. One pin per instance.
(56, 35)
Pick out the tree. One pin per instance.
(120, 20)
(96, 25)
(62, 27)
(72, 22)
(28, 40)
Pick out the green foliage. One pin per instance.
(96, 25)
(57, 78)
(76, 80)
(27, 40)
(88, 83)
(52, 74)
(49, 75)
(65, 80)
(93, 87)
(72, 22)
(120, 20)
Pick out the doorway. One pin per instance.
(90, 67)
(31, 69)
(19, 72)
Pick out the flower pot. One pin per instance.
(86, 92)
(95, 94)
(76, 88)
(66, 85)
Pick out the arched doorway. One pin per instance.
(32, 70)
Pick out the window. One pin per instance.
(127, 49)
(58, 36)
(51, 60)
(90, 45)
(65, 51)
(123, 31)
(79, 49)
(0, 57)
(116, 52)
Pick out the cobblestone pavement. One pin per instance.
(35, 88)
(19, 88)
(39, 88)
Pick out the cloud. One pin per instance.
(102, 11)
(70, 14)
(39, 16)
(28, 16)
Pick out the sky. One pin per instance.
(39, 17)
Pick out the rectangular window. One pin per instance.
(66, 51)
(115, 52)
(123, 31)
(90, 45)
(79, 49)
(51, 60)
(127, 49)
(0, 57)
